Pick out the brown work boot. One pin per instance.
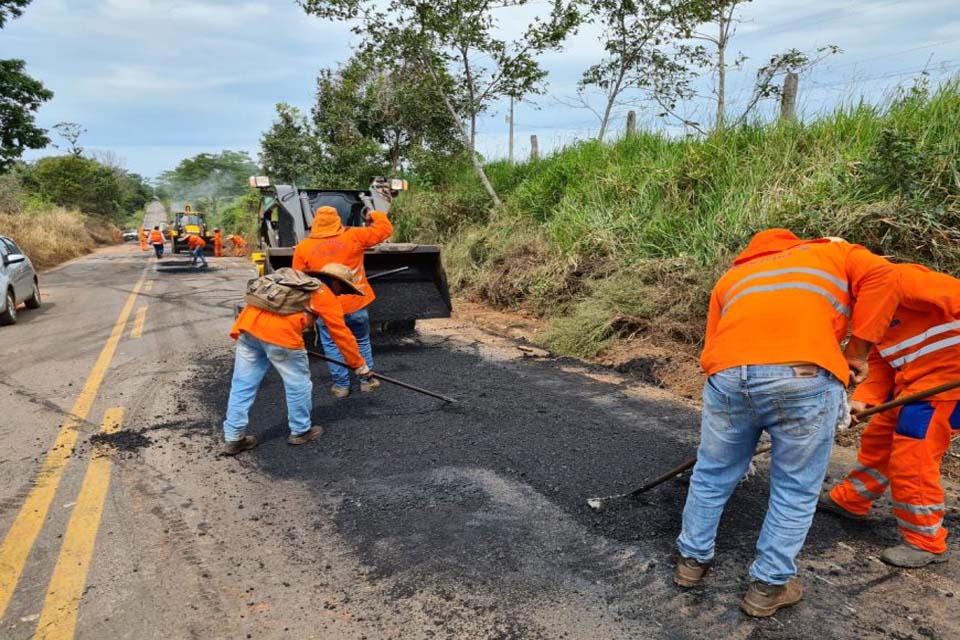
(829, 505)
(763, 600)
(305, 437)
(911, 557)
(236, 446)
(689, 572)
(371, 384)
(340, 392)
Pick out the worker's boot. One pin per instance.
(370, 384)
(340, 392)
(764, 600)
(689, 572)
(305, 437)
(911, 557)
(829, 505)
(236, 446)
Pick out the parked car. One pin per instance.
(130, 234)
(18, 281)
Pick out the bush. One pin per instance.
(55, 236)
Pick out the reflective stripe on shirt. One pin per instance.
(917, 339)
(930, 348)
(840, 283)
(836, 304)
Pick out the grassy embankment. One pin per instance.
(624, 240)
(49, 235)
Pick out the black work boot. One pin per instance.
(763, 600)
(236, 446)
(689, 572)
(911, 557)
(305, 437)
(828, 504)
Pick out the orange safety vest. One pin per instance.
(287, 331)
(347, 248)
(195, 241)
(791, 300)
(921, 347)
(156, 237)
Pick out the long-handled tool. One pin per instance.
(380, 376)
(597, 503)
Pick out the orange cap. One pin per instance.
(326, 223)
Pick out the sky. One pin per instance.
(156, 81)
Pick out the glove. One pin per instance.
(363, 372)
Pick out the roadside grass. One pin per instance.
(53, 236)
(614, 240)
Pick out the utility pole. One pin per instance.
(788, 99)
(534, 148)
(510, 120)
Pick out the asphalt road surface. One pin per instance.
(408, 519)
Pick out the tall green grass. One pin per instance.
(611, 240)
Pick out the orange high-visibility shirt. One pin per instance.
(237, 241)
(314, 253)
(921, 348)
(790, 300)
(287, 331)
(195, 241)
(156, 237)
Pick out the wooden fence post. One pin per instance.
(534, 148)
(631, 123)
(788, 100)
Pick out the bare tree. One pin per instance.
(71, 132)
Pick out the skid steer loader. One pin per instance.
(408, 279)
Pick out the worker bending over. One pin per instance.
(902, 448)
(239, 245)
(142, 236)
(156, 239)
(196, 245)
(217, 243)
(329, 241)
(265, 337)
(774, 363)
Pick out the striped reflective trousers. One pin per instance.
(902, 449)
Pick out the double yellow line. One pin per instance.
(26, 527)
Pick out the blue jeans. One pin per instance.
(801, 415)
(198, 255)
(158, 250)
(253, 358)
(359, 324)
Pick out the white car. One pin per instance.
(18, 281)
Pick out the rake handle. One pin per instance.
(380, 376)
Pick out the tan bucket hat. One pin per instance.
(343, 275)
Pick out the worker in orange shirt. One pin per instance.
(239, 245)
(156, 239)
(142, 235)
(329, 241)
(264, 338)
(902, 448)
(196, 244)
(217, 243)
(774, 363)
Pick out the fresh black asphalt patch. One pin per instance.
(484, 502)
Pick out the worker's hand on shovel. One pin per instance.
(856, 407)
(363, 372)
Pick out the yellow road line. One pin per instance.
(137, 332)
(58, 619)
(25, 529)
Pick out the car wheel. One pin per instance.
(33, 302)
(9, 315)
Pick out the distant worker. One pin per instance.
(217, 243)
(142, 236)
(774, 363)
(902, 448)
(196, 245)
(329, 241)
(156, 239)
(239, 245)
(267, 337)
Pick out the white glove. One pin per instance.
(363, 372)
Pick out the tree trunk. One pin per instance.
(721, 77)
(611, 100)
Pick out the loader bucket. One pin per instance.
(418, 291)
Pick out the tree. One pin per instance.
(208, 175)
(643, 51)
(286, 149)
(20, 97)
(83, 184)
(71, 132)
(10, 9)
(460, 36)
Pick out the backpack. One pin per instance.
(285, 292)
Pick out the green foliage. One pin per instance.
(207, 176)
(240, 216)
(287, 149)
(20, 97)
(87, 186)
(10, 9)
(616, 239)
